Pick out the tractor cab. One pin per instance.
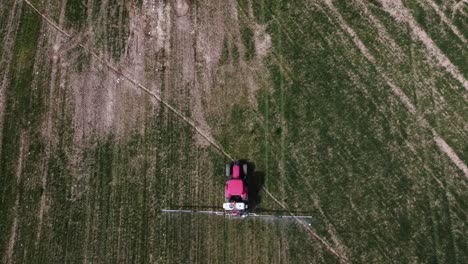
(236, 191)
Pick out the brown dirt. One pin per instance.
(339, 245)
(116, 107)
(182, 7)
(208, 48)
(48, 130)
(185, 59)
(94, 103)
(262, 41)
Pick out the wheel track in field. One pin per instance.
(440, 142)
(400, 13)
(458, 7)
(444, 18)
(188, 121)
(23, 148)
(6, 57)
(382, 31)
(327, 246)
(49, 128)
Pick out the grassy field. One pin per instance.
(353, 112)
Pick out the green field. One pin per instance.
(353, 112)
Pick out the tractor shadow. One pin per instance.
(255, 179)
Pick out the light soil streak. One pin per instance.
(48, 132)
(310, 230)
(458, 7)
(6, 57)
(440, 142)
(19, 171)
(446, 20)
(385, 37)
(399, 12)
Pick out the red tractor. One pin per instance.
(236, 191)
(236, 196)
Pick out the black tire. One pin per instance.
(228, 170)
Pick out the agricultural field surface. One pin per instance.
(353, 112)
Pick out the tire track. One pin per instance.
(382, 31)
(6, 57)
(282, 121)
(458, 7)
(8, 257)
(330, 227)
(445, 19)
(440, 142)
(376, 237)
(399, 12)
(358, 83)
(326, 245)
(49, 124)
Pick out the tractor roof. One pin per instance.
(236, 171)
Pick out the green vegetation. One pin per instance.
(117, 27)
(76, 13)
(21, 108)
(225, 53)
(247, 38)
(318, 119)
(346, 141)
(441, 34)
(4, 20)
(112, 31)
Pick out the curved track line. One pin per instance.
(440, 142)
(458, 7)
(6, 59)
(191, 123)
(311, 231)
(8, 257)
(400, 13)
(445, 20)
